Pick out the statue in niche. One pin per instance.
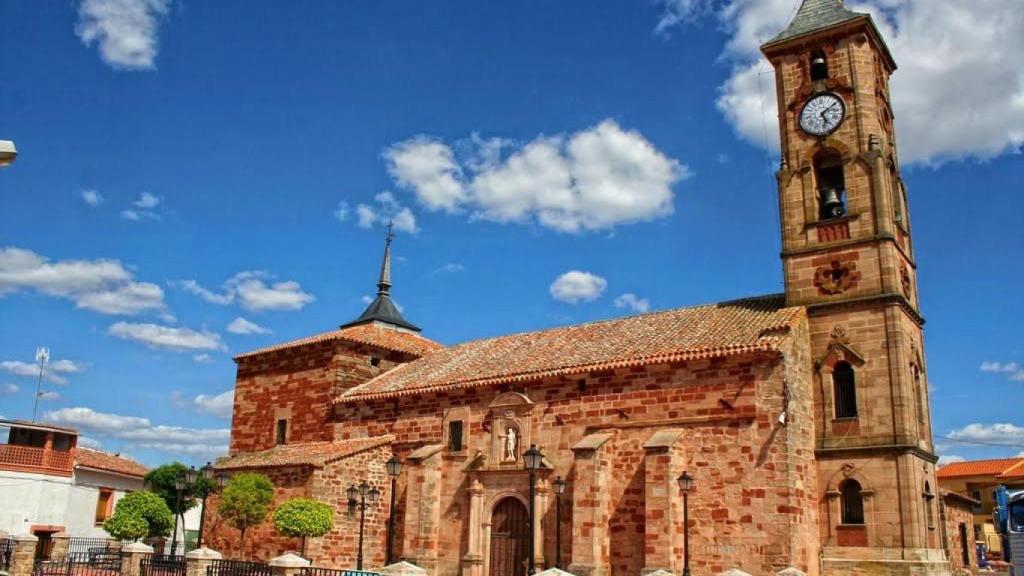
(511, 445)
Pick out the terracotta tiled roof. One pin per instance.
(979, 468)
(315, 454)
(950, 495)
(756, 324)
(1016, 472)
(96, 460)
(369, 334)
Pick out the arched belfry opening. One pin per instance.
(831, 184)
(819, 66)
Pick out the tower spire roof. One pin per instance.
(383, 310)
(815, 15)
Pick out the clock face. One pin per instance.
(822, 114)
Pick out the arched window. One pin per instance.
(919, 392)
(845, 389)
(819, 66)
(928, 498)
(853, 503)
(828, 171)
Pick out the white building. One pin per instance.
(48, 484)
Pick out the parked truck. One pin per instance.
(1009, 520)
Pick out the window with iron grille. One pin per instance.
(853, 503)
(845, 390)
(455, 436)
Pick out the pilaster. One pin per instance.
(590, 537)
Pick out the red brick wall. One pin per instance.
(297, 384)
(957, 513)
(261, 542)
(755, 504)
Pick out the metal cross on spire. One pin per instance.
(384, 285)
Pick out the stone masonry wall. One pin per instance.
(297, 385)
(754, 503)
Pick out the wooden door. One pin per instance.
(510, 533)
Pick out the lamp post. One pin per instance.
(219, 481)
(686, 485)
(8, 153)
(179, 487)
(357, 497)
(394, 466)
(559, 490)
(532, 459)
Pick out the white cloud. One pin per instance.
(341, 212)
(251, 292)
(594, 179)
(220, 405)
(1000, 367)
(958, 63)
(139, 432)
(104, 286)
(242, 326)
(125, 30)
(576, 286)
(450, 268)
(156, 336)
(9, 389)
(49, 395)
(202, 358)
(147, 201)
(89, 442)
(388, 209)
(427, 166)
(92, 197)
(633, 302)
(992, 433)
(951, 459)
(52, 372)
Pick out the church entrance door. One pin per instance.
(510, 533)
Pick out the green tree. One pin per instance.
(302, 518)
(245, 501)
(161, 481)
(138, 515)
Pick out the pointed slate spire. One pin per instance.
(382, 310)
(817, 15)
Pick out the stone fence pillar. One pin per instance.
(198, 560)
(288, 565)
(61, 546)
(132, 556)
(403, 569)
(24, 556)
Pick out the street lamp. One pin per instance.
(394, 466)
(533, 459)
(559, 490)
(357, 497)
(686, 485)
(179, 487)
(7, 153)
(218, 482)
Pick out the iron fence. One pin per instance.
(237, 568)
(162, 565)
(78, 546)
(105, 564)
(6, 551)
(311, 571)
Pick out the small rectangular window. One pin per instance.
(455, 436)
(103, 505)
(282, 432)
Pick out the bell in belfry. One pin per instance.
(832, 204)
(819, 68)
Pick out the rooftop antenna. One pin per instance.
(42, 356)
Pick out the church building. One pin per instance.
(801, 418)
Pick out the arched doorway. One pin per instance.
(510, 533)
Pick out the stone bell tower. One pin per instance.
(849, 259)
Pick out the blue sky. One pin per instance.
(185, 164)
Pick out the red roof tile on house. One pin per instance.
(1016, 472)
(979, 468)
(96, 460)
(743, 326)
(369, 334)
(314, 454)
